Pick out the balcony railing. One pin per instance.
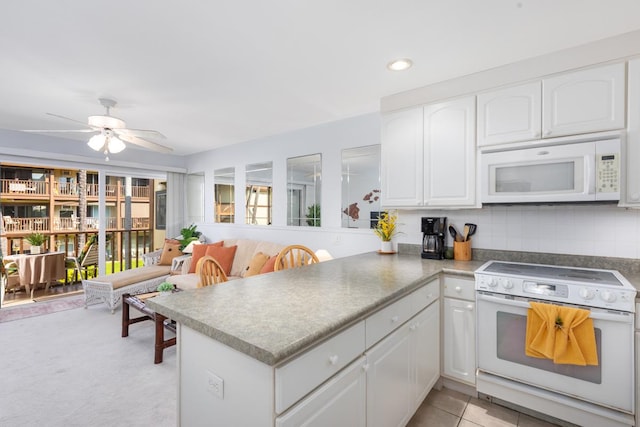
(30, 189)
(124, 249)
(22, 225)
(26, 187)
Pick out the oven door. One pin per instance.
(501, 351)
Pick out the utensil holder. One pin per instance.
(462, 251)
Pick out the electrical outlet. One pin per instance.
(215, 384)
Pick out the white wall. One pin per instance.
(570, 229)
(329, 140)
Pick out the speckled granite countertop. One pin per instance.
(273, 316)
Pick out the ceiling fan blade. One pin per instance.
(139, 133)
(58, 130)
(146, 144)
(67, 118)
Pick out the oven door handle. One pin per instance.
(612, 316)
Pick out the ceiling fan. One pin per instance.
(111, 132)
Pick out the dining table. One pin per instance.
(39, 269)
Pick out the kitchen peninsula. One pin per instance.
(253, 343)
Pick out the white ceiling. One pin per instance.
(214, 73)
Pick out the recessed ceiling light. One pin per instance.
(400, 64)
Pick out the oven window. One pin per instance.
(512, 330)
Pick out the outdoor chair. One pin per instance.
(9, 223)
(88, 257)
(210, 272)
(295, 256)
(11, 275)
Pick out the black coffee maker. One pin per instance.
(433, 237)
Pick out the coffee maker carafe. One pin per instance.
(433, 237)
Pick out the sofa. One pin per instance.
(109, 288)
(249, 254)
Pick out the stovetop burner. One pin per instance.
(538, 271)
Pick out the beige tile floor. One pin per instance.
(448, 408)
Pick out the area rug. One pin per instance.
(58, 296)
(7, 314)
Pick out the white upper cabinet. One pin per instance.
(401, 150)
(584, 101)
(449, 153)
(630, 194)
(510, 115)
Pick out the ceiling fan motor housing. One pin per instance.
(106, 122)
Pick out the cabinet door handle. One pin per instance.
(333, 359)
(365, 367)
(394, 319)
(458, 289)
(470, 307)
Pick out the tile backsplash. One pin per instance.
(594, 230)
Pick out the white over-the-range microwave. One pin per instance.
(570, 169)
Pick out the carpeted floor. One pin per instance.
(72, 368)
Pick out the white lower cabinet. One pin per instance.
(425, 343)
(340, 402)
(374, 373)
(402, 368)
(459, 340)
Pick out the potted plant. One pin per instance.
(188, 235)
(165, 287)
(385, 229)
(36, 240)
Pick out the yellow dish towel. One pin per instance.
(563, 334)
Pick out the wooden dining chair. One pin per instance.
(210, 272)
(295, 256)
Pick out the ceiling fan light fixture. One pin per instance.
(115, 145)
(97, 142)
(400, 64)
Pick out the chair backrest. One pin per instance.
(91, 256)
(9, 223)
(209, 271)
(11, 274)
(295, 256)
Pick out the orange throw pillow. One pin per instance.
(224, 256)
(198, 252)
(170, 250)
(269, 266)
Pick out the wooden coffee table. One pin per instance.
(161, 322)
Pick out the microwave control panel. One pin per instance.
(608, 170)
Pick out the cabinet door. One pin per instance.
(459, 340)
(511, 114)
(630, 195)
(584, 101)
(389, 381)
(449, 153)
(340, 402)
(425, 349)
(402, 158)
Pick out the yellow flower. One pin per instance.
(386, 227)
